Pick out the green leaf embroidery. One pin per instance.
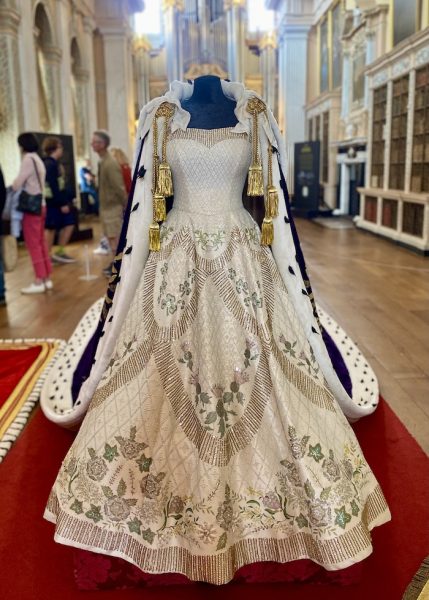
(107, 491)
(134, 526)
(309, 490)
(228, 397)
(342, 517)
(222, 541)
(301, 521)
(77, 507)
(355, 508)
(205, 398)
(122, 488)
(110, 452)
(133, 432)
(316, 452)
(92, 452)
(144, 463)
(94, 513)
(148, 535)
(211, 418)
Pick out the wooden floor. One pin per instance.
(378, 292)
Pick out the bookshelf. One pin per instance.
(420, 161)
(398, 133)
(378, 126)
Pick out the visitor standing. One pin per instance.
(31, 178)
(111, 191)
(60, 216)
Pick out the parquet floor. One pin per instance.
(377, 291)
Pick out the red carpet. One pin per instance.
(13, 366)
(34, 567)
(23, 366)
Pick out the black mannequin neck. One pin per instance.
(208, 106)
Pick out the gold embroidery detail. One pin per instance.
(220, 568)
(208, 137)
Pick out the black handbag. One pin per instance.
(31, 203)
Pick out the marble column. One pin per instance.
(172, 15)
(292, 48)
(235, 11)
(119, 92)
(268, 47)
(11, 107)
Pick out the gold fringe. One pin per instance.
(165, 180)
(160, 210)
(272, 201)
(267, 236)
(154, 237)
(255, 184)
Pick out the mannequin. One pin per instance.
(208, 106)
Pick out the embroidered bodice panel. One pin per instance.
(209, 168)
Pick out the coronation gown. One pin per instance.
(213, 440)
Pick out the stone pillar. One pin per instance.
(88, 61)
(119, 92)
(81, 129)
(343, 209)
(11, 107)
(346, 86)
(292, 88)
(172, 14)
(235, 11)
(52, 56)
(63, 20)
(28, 69)
(370, 57)
(268, 47)
(141, 53)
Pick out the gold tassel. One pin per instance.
(267, 236)
(165, 180)
(255, 182)
(160, 210)
(273, 201)
(255, 185)
(154, 237)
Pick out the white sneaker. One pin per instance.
(48, 284)
(34, 288)
(101, 250)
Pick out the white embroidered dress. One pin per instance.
(212, 439)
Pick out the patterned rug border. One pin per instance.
(21, 418)
(418, 588)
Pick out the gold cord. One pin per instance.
(162, 183)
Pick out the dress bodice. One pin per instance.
(209, 168)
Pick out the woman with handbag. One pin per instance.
(31, 178)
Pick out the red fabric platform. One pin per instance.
(35, 567)
(13, 366)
